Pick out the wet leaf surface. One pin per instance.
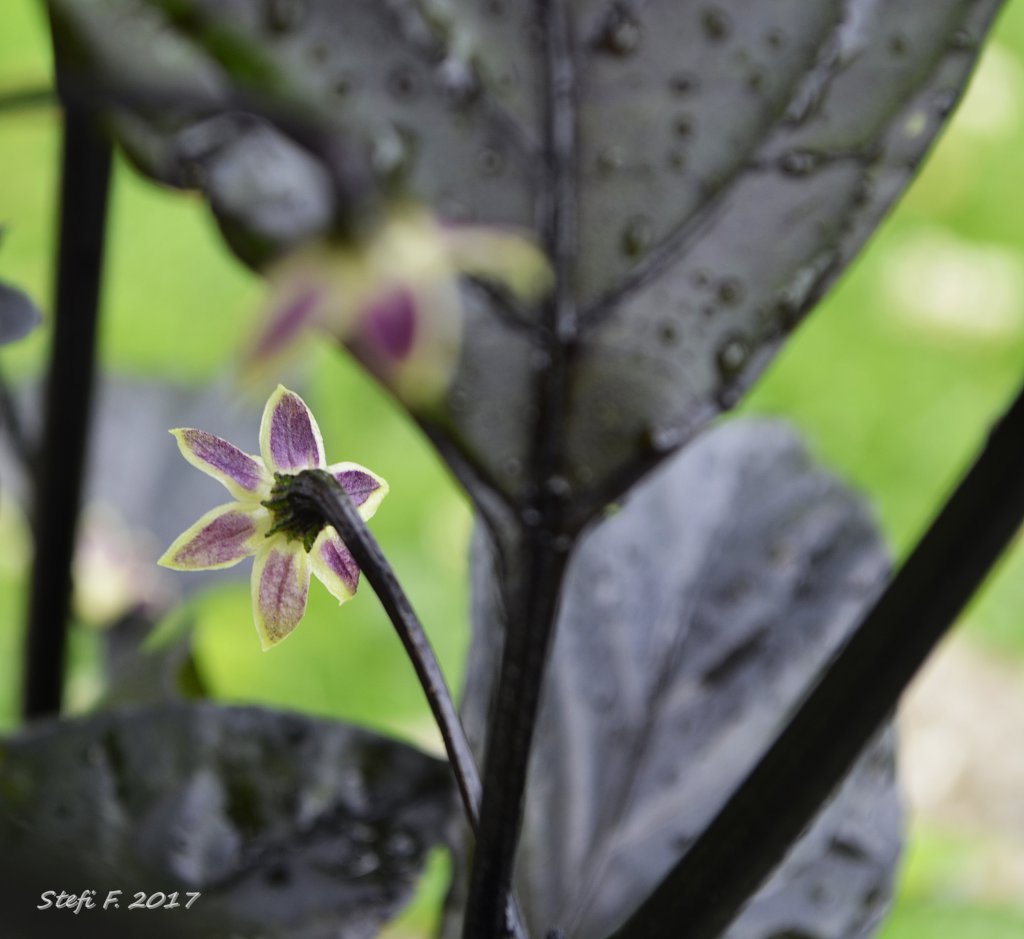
(287, 826)
(716, 166)
(691, 623)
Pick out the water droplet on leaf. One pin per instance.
(611, 159)
(401, 844)
(963, 41)
(716, 23)
(284, 16)
(402, 83)
(683, 83)
(490, 162)
(898, 44)
(732, 356)
(459, 81)
(684, 125)
(799, 162)
(392, 154)
(363, 864)
(620, 34)
(668, 332)
(638, 236)
(558, 486)
(730, 291)
(342, 85)
(945, 100)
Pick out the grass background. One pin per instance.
(894, 381)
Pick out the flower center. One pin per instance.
(293, 519)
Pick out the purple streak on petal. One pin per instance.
(282, 592)
(224, 457)
(286, 322)
(225, 539)
(293, 441)
(390, 324)
(336, 556)
(359, 486)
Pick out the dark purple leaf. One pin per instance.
(287, 825)
(690, 623)
(727, 162)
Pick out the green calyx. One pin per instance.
(294, 519)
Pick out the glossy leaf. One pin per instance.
(715, 167)
(691, 622)
(775, 197)
(288, 826)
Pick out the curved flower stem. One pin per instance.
(322, 492)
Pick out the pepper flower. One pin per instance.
(394, 297)
(260, 523)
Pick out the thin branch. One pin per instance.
(324, 494)
(83, 217)
(855, 694)
(28, 99)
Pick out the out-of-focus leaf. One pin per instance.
(144, 666)
(134, 464)
(691, 621)
(144, 492)
(403, 104)
(288, 826)
(18, 314)
(717, 165)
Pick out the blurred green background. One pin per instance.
(894, 380)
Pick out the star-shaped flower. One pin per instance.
(259, 522)
(394, 296)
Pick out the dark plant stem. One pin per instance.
(854, 695)
(510, 730)
(538, 562)
(333, 504)
(323, 493)
(83, 216)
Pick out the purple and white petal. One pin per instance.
(244, 476)
(280, 586)
(366, 489)
(292, 313)
(389, 324)
(221, 538)
(289, 436)
(334, 567)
